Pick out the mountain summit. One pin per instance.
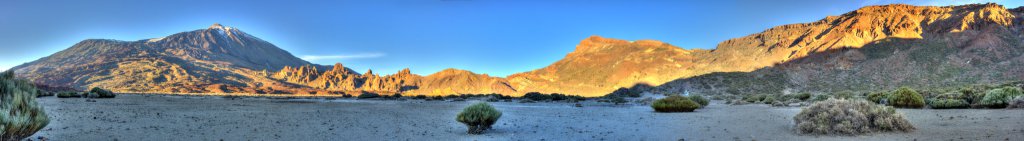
(183, 62)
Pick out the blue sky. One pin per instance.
(497, 37)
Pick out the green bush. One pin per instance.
(754, 98)
(675, 103)
(945, 103)
(577, 98)
(877, 97)
(102, 93)
(68, 95)
(802, 96)
(20, 115)
(768, 100)
(558, 97)
(973, 95)
(849, 117)
(478, 117)
(42, 93)
(536, 96)
(999, 98)
(700, 100)
(368, 95)
(906, 98)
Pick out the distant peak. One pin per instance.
(218, 26)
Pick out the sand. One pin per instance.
(149, 117)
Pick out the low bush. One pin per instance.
(905, 97)
(754, 98)
(101, 93)
(700, 100)
(452, 97)
(948, 103)
(68, 95)
(849, 117)
(558, 97)
(999, 98)
(802, 96)
(437, 97)
(20, 115)
(368, 95)
(42, 93)
(675, 103)
(877, 97)
(420, 97)
(973, 95)
(478, 117)
(819, 98)
(536, 96)
(396, 95)
(576, 98)
(500, 96)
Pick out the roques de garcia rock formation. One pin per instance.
(872, 48)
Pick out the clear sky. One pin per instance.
(497, 37)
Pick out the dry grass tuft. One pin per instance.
(849, 117)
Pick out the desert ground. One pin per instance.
(161, 117)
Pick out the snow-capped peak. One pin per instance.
(220, 27)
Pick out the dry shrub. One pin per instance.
(20, 115)
(478, 117)
(1002, 97)
(905, 97)
(675, 103)
(700, 100)
(948, 104)
(849, 117)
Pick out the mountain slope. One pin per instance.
(183, 62)
(600, 65)
(875, 48)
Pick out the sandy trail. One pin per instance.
(136, 117)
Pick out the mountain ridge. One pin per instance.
(596, 67)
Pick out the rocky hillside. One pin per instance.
(600, 65)
(881, 47)
(873, 48)
(449, 81)
(216, 59)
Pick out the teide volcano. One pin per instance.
(215, 59)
